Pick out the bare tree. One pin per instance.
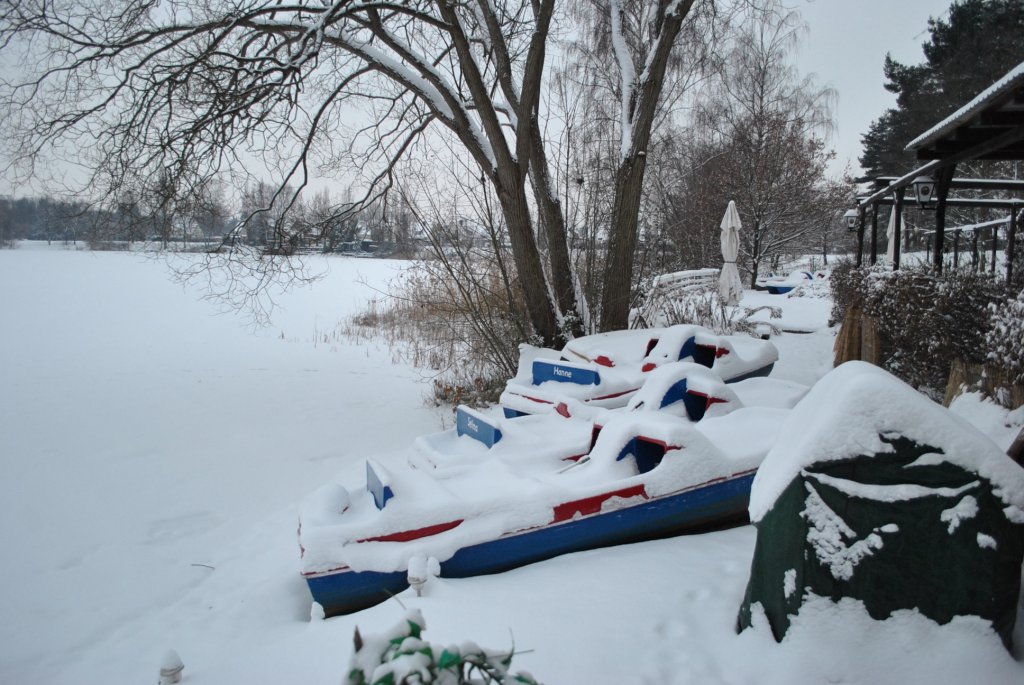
(210, 210)
(187, 87)
(628, 54)
(160, 199)
(176, 86)
(767, 124)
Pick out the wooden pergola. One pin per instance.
(989, 127)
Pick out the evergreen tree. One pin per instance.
(977, 44)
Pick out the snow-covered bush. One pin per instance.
(1005, 339)
(849, 284)
(402, 657)
(458, 319)
(704, 307)
(926, 321)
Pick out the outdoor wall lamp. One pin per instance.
(851, 217)
(924, 191)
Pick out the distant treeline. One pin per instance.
(46, 218)
(310, 224)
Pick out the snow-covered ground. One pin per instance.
(154, 453)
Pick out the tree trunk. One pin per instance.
(529, 268)
(622, 239)
(553, 223)
(638, 112)
(755, 253)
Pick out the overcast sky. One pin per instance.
(845, 48)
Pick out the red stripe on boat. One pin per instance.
(592, 399)
(614, 395)
(407, 535)
(710, 400)
(592, 505)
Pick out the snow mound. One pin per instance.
(849, 411)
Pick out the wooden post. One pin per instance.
(870, 340)
(956, 248)
(897, 225)
(974, 250)
(874, 234)
(860, 236)
(1011, 243)
(995, 241)
(847, 345)
(943, 182)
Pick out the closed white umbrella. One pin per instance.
(890, 233)
(729, 285)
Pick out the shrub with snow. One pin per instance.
(455, 316)
(926, 321)
(1005, 339)
(703, 307)
(401, 657)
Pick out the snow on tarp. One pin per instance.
(875, 493)
(869, 403)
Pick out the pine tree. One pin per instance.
(977, 44)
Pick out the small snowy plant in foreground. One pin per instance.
(402, 657)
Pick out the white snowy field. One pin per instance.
(153, 454)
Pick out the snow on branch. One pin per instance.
(627, 74)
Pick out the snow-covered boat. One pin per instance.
(496, 493)
(607, 369)
(780, 285)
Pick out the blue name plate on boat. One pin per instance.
(477, 426)
(379, 487)
(548, 370)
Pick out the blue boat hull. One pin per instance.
(756, 373)
(716, 504)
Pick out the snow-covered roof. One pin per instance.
(1010, 81)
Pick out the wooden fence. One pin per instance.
(858, 339)
(991, 382)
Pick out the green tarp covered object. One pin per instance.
(883, 496)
